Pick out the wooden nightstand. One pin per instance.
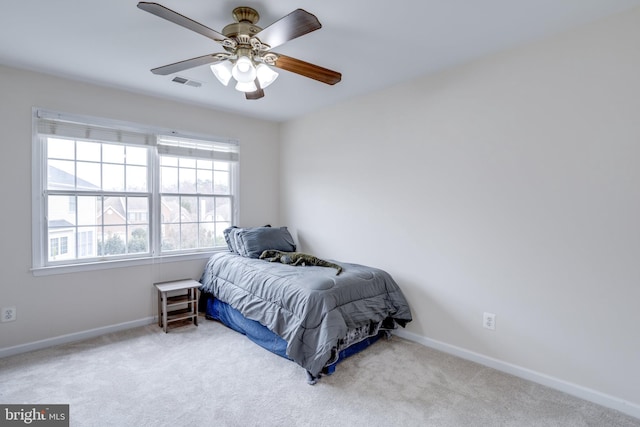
(177, 303)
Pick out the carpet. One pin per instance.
(213, 376)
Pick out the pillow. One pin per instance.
(254, 241)
(231, 237)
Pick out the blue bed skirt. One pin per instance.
(256, 332)
(261, 335)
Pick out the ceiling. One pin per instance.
(115, 44)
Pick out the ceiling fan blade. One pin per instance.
(181, 20)
(296, 24)
(306, 69)
(189, 63)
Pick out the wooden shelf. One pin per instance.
(177, 303)
(179, 299)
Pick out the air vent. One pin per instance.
(184, 81)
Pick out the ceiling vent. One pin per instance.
(185, 81)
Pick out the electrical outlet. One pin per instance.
(8, 314)
(489, 321)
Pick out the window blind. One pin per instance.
(168, 142)
(78, 127)
(177, 146)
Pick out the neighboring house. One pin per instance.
(68, 239)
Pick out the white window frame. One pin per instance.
(226, 149)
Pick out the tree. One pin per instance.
(114, 245)
(139, 241)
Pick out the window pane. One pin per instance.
(136, 156)
(112, 241)
(136, 178)
(223, 209)
(61, 211)
(221, 166)
(189, 209)
(168, 180)
(61, 175)
(205, 181)
(88, 176)
(189, 236)
(88, 151)
(207, 235)
(113, 153)
(138, 240)
(114, 212)
(204, 164)
(170, 209)
(221, 184)
(186, 162)
(220, 227)
(137, 210)
(88, 209)
(61, 149)
(113, 176)
(170, 237)
(61, 243)
(168, 161)
(207, 209)
(187, 180)
(59, 246)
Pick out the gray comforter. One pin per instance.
(309, 307)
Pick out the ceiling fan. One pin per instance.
(248, 57)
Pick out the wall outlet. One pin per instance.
(489, 321)
(8, 314)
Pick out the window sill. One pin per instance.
(121, 263)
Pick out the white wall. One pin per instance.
(509, 185)
(54, 306)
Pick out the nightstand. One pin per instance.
(177, 303)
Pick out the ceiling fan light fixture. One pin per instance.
(265, 75)
(243, 41)
(246, 86)
(244, 71)
(222, 71)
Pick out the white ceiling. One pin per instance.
(373, 44)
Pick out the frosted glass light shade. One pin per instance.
(244, 71)
(222, 71)
(246, 86)
(266, 75)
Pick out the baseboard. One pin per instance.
(546, 380)
(77, 336)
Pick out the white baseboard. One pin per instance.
(585, 393)
(77, 336)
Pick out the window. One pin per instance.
(58, 246)
(195, 196)
(106, 190)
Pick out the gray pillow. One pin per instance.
(230, 238)
(254, 241)
(234, 243)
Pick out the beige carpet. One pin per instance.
(212, 376)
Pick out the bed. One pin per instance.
(309, 314)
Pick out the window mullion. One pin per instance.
(155, 213)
